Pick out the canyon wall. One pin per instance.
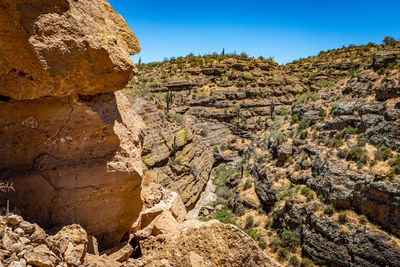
(69, 144)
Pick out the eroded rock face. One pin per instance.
(64, 47)
(165, 238)
(79, 163)
(175, 158)
(216, 243)
(70, 146)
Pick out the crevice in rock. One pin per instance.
(68, 118)
(4, 98)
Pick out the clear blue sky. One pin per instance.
(283, 29)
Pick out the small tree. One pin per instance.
(223, 51)
(389, 40)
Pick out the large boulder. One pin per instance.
(213, 242)
(70, 146)
(382, 59)
(63, 47)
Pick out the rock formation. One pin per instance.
(69, 145)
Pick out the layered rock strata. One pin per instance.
(70, 145)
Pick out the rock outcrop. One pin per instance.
(70, 145)
(63, 47)
(165, 238)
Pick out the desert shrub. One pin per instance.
(381, 71)
(294, 261)
(295, 118)
(225, 216)
(322, 113)
(361, 141)
(308, 192)
(305, 190)
(342, 217)
(303, 124)
(276, 242)
(262, 244)
(325, 84)
(395, 164)
(348, 130)
(303, 134)
(178, 118)
(297, 167)
(357, 154)
(329, 210)
(249, 222)
(290, 239)
(253, 233)
(282, 253)
(383, 153)
(363, 219)
(307, 97)
(224, 192)
(310, 196)
(306, 262)
(337, 143)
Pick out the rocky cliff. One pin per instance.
(70, 145)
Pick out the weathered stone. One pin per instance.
(59, 48)
(382, 59)
(70, 178)
(41, 256)
(263, 187)
(386, 92)
(119, 253)
(216, 243)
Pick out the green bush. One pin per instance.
(383, 153)
(282, 253)
(249, 222)
(306, 262)
(225, 216)
(337, 143)
(357, 154)
(276, 242)
(294, 261)
(297, 167)
(348, 130)
(322, 113)
(303, 124)
(262, 244)
(381, 71)
(253, 233)
(395, 164)
(303, 134)
(308, 192)
(329, 210)
(290, 239)
(295, 118)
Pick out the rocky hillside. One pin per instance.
(304, 157)
(73, 149)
